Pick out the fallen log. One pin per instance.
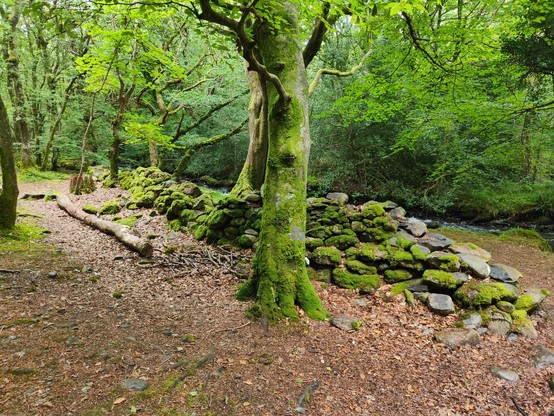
(119, 231)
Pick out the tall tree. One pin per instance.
(15, 85)
(9, 191)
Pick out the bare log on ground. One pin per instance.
(119, 231)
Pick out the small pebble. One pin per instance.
(52, 275)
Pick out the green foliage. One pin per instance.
(24, 236)
(528, 237)
(35, 175)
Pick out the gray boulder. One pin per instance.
(475, 264)
(473, 321)
(455, 337)
(441, 304)
(544, 357)
(503, 273)
(414, 226)
(346, 323)
(340, 197)
(469, 248)
(505, 374)
(435, 242)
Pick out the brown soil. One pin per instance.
(181, 329)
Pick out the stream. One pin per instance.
(546, 233)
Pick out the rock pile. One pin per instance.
(358, 247)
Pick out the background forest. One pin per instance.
(448, 109)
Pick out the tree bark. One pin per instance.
(280, 279)
(15, 89)
(119, 231)
(252, 175)
(9, 192)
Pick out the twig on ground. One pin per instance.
(305, 396)
(519, 408)
(193, 367)
(9, 271)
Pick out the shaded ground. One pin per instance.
(67, 343)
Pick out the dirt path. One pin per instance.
(106, 318)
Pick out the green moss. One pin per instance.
(129, 221)
(342, 242)
(216, 220)
(347, 280)
(200, 232)
(110, 207)
(22, 238)
(400, 256)
(351, 253)
(49, 197)
(367, 252)
(529, 237)
(397, 275)
(403, 243)
(520, 319)
(357, 266)
(117, 295)
(356, 325)
(90, 209)
(320, 275)
(410, 299)
(174, 225)
(319, 232)
(313, 243)
(399, 288)
(326, 255)
(477, 295)
(373, 211)
(418, 253)
(525, 303)
(19, 322)
(441, 279)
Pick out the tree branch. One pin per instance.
(316, 39)
(326, 71)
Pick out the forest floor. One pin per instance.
(80, 314)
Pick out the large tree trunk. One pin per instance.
(280, 280)
(15, 89)
(253, 171)
(121, 232)
(9, 192)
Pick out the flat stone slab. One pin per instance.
(473, 321)
(477, 266)
(468, 248)
(544, 357)
(135, 384)
(455, 337)
(503, 273)
(344, 322)
(435, 242)
(441, 304)
(505, 374)
(341, 197)
(415, 227)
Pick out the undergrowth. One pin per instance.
(35, 175)
(22, 238)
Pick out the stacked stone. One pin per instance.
(205, 213)
(358, 247)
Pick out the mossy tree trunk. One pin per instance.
(124, 96)
(280, 279)
(9, 192)
(252, 174)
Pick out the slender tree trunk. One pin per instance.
(9, 192)
(56, 125)
(252, 175)
(15, 89)
(122, 103)
(280, 280)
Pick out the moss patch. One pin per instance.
(441, 279)
(347, 280)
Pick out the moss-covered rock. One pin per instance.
(342, 242)
(419, 252)
(531, 300)
(357, 266)
(247, 240)
(110, 207)
(373, 211)
(364, 282)
(217, 219)
(443, 260)
(441, 279)
(175, 225)
(477, 295)
(326, 256)
(521, 324)
(320, 275)
(200, 232)
(398, 275)
(90, 209)
(312, 243)
(319, 232)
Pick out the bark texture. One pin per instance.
(280, 279)
(9, 191)
(119, 231)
